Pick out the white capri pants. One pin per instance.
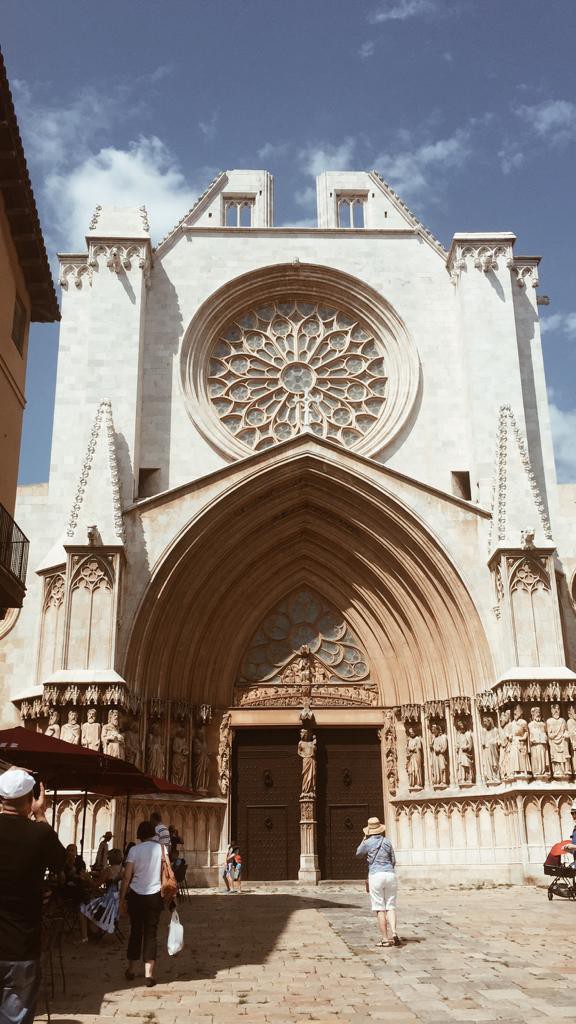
(383, 886)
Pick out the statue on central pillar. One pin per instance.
(307, 751)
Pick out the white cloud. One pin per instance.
(511, 158)
(560, 323)
(80, 169)
(400, 10)
(327, 157)
(273, 150)
(315, 159)
(208, 128)
(552, 120)
(146, 172)
(52, 134)
(411, 171)
(367, 49)
(563, 423)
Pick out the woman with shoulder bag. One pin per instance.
(382, 883)
(141, 896)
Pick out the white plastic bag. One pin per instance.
(175, 935)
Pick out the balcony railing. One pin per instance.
(13, 547)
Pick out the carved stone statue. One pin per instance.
(70, 731)
(320, 673)
(303, 668)
(224, 753)
(539, 755)
(132, 743)
(571, 729)
(464, 742)
(200, 761)
(558, 740)
(91, 731)
(155, 751)
(112, 736)
(490, 750)
(307, 751)
(439, 756)
(414, 759)
(53, 727)
(505, 744)
(519, 759)
(179, 757)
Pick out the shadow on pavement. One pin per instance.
(221, 932)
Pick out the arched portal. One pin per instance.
(306, 520)
(303, 593)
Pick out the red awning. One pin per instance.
(60, 765)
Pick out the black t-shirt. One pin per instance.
(27, 849)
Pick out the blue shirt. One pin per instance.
(379, 852)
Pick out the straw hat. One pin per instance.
(374, 827)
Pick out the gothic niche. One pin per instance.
(305, 654)
(52, 628)
(530, 596)
(285, 367)
(91, 613)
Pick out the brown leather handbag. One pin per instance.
(168, 884)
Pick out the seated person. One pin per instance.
(74, 883)
(102, 911)
(175, 842)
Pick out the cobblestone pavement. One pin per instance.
(296, 955)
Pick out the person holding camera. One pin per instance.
(28, 847)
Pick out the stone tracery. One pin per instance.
(284, 367)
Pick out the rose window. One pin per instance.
(281, 368)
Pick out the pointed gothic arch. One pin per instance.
(306, 520)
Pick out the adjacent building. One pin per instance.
(26, 294)
(302, 547)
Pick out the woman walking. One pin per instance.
(140, 895)
(382, 882)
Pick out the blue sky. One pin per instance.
(467, 107)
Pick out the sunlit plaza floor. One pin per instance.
(309, 954)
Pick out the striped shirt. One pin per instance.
(162, 835)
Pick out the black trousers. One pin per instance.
(144, 913)
(19, 984)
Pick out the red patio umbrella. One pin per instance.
(60, 765)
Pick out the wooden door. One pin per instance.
(349, 792)
(265, 802)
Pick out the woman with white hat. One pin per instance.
(382, 882)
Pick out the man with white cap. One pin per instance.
(28, 846)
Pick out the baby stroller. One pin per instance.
(564, 882)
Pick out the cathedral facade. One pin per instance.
(302, 549)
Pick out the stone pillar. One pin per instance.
(309, 870)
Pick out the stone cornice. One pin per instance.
(117, 255)
(525, 270)
(485, 252)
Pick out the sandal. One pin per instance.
(384, 942)
(396, 940)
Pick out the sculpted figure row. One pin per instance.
(439, 755)
(122, 739)
(511, 748)
(521, 749)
